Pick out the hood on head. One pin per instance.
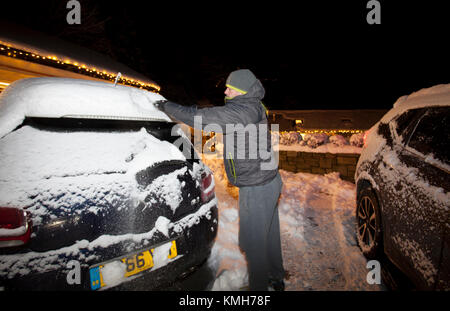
(256, 91)
(244, 81)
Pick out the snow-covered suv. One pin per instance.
(403, 186)
(97, 189)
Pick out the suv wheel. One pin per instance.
(368, 224)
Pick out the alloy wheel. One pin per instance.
(367, 221)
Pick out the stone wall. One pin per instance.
(320, 163)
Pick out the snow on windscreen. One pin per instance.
(31, 154)
(62, 97)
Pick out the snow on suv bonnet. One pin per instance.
(63, 97)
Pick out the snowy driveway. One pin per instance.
(317, 234)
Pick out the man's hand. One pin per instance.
(160, 104)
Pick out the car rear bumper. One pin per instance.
(194, 235)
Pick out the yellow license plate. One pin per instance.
(135, 264)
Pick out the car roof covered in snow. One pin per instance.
(438, 95)
(64, 97)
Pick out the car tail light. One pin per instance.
(207, 187)
(366, 133)
(15, 227)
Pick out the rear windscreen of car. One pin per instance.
(160, 129)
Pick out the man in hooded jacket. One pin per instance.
(250, 165)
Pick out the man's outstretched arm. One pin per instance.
(220, 115)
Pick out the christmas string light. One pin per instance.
(328, 132)
(66, 64)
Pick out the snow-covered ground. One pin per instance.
(317, 234)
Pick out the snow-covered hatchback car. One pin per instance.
(403, 186)
(98, 189)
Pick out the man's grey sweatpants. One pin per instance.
(259, 232)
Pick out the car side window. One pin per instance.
(432, 134)
(404, 123)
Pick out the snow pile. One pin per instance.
(167, 187)
(162, 225)
(63, 97)
(161, 255)
(290, 138)
(113, 273)
(357, 140)
(315, 139)
(193, 219)
(338, 140)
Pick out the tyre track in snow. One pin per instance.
(314, 262)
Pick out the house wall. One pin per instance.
(319, 163)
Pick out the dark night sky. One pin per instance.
(309, 55)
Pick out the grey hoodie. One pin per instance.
(246, 136)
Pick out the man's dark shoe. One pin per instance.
(277, 285)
